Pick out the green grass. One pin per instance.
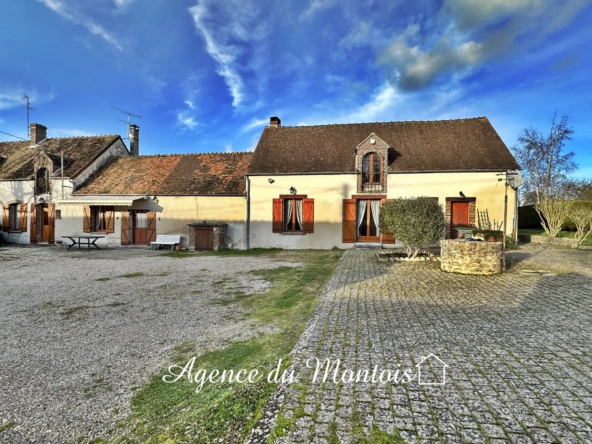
(162, 412)
(224, 253)
(132, 275)
(563, 234)
(7, 425)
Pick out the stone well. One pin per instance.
(469, 257)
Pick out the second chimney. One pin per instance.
(275, 122)
(134, 137)
(38, 133)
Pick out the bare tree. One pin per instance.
(544, 162)
(578, 189)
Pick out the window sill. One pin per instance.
(293, 233)
(16, 231)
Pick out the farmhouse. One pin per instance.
(37, 174)
(322, 186)
(133, 199)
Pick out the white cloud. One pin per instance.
(12, 97)
(122, 4)
(472, 33)
(73, 132)
(316, 6)
(228, 148)
(67, 12)
(190, 104)
(186, 120)
(222, 55)
(254, 124)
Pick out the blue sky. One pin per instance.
(206, 75)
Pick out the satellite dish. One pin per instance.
(514, 179)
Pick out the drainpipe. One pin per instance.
(62, 159)
(248, 224)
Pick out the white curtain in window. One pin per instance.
(375, 206)
(361, 211)
(299, 213)
(288, 212)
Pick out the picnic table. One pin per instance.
(87, 237)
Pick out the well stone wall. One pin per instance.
(470, 257)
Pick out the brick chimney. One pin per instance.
(38, 133)
(134, 137)
(275, 122)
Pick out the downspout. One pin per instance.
(62, 168)
(248, 224)
(516, 215)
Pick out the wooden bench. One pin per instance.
(167, 239)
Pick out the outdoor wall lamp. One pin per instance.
(292, 190)
(155, 200)
(270, 180)
(462, 194)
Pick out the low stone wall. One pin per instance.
(557, 241)
(466, 257)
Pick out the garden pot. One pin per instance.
(178, 247)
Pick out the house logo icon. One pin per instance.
(431, 370)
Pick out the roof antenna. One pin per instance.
(29, 108)
(129, 114)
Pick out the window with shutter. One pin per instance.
(23, 217)
(33, 235)
(99, 219)
(293, 214)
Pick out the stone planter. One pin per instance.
(469, 257)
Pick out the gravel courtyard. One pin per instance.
(518, 349)
(79, 330)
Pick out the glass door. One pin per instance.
(368, 226)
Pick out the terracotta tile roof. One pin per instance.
(79, 153)
(216, 173)
(445, 145)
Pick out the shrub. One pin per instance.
(569, 224)
(498, 236)
(581, 216)
(415, 221)
(553, 214)
(528, 217)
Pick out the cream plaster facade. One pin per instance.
(329, 190)
(173, 213)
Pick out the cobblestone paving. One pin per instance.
(518, 350)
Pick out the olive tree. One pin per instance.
(415, 221)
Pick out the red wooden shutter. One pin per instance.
(33, 236)
(277, 215)
(125, 228)
(387, 238)
(23, 217)
(308, 215)
(151, 227)
(110, 220)
(348, 225)
(5, 216)
(51, 222)
(86, 219)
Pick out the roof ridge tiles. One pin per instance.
(385, 122)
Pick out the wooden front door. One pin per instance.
(140, 228)
(459, 217)
(367, 220)
(204, 238)
(45, 225)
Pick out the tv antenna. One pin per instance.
(129, 115)
(29, 108)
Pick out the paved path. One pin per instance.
(518, 350)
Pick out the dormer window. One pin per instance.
(371, 170)
(41, 181)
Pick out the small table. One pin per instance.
(88, 237)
